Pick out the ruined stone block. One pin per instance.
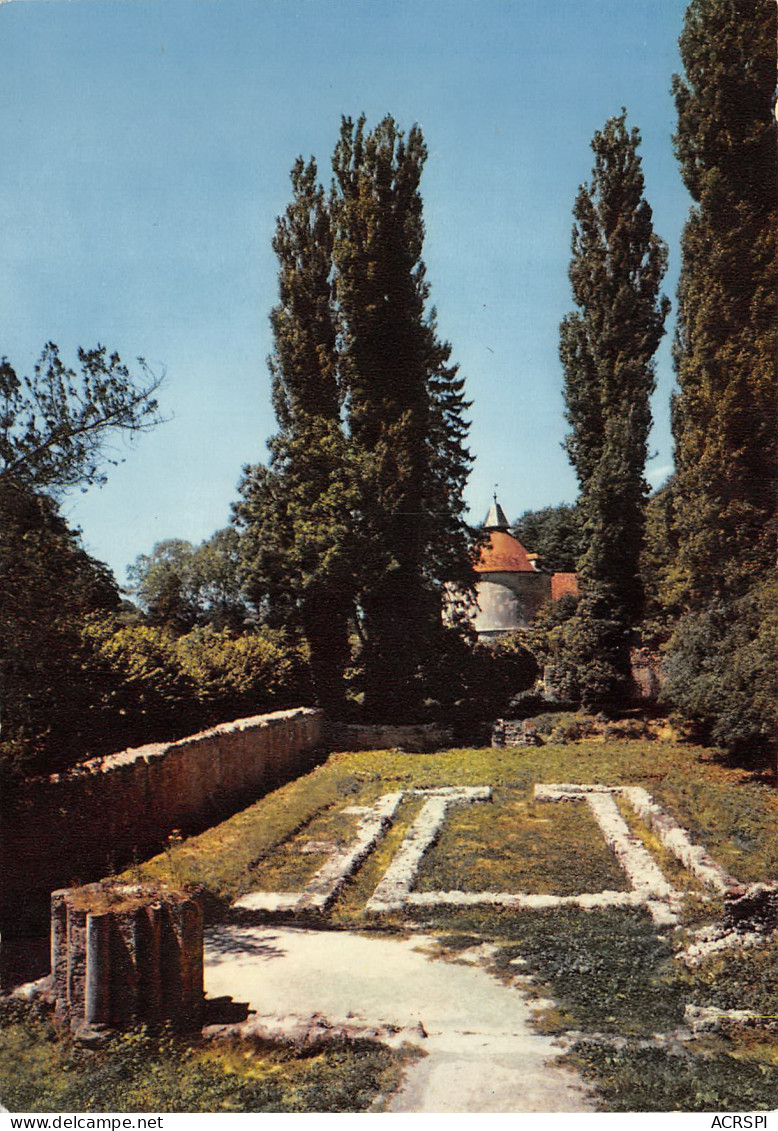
(124, 954)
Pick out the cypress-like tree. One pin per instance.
(404, 410)
(607, 348)
(296, 512)
(724, 415)
(359, 512)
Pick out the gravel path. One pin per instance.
(482, 1053)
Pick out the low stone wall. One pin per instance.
(413, 739)
(73, 827)
(515, 732)
(124, 954)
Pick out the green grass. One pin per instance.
(738, 979)
(289, 869)
(43, 1071)
(349, 910)
(734, 817)
(513, 844)
(606, 971)
(226, 858)
(656, 1079)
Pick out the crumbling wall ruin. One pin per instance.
(67, 829)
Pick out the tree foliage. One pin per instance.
(607, 348)
(49, 587)
(55, 426)
(659, 569)
(724, 415)
(162, 685)
(721, 670)
(55, 432)
(295, 514)
(182, 586)
(555, 534)
(725, 411)
(359, 514)
(404, 407)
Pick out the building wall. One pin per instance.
(507, 601)
(564, 585)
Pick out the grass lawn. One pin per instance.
(611, 973)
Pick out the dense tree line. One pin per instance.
(330, 584)
(693, 572)
(82, 671)
(54, 430)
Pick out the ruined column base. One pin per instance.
(126, 954)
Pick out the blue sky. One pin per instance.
(146, 153)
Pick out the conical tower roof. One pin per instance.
(503, 553)
(496, 518)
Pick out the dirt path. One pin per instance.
(482, 1054)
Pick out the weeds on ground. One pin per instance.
(225, 858)
(744, 978)
(606, 970)
(656, 1079)
(43, 1070)
(733, 817)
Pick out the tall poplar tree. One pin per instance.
(295, 512)
(404, 410)
(725, 412)
(359, 513)
(607, 347)
(722, 656)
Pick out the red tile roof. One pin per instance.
(503, 554)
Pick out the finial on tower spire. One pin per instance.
(496, 518)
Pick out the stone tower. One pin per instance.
(511, 587)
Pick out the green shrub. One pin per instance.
(564, 726)
(207, 676)
(721, 666)
(628, 729)
(607, 970)
(254, 672)
(469, 683)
